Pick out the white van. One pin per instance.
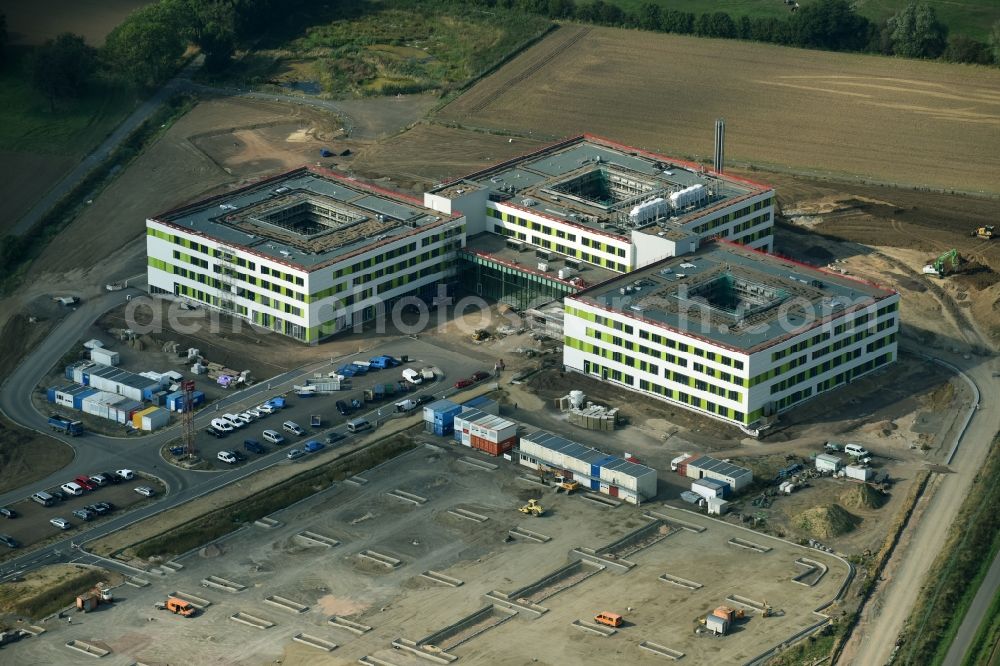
(857, 451)
(273, 436)
(357, 425)
(293, 427)
(235, 419)
(412, 376)
(222, 425)
(72, 488)
(44, 499)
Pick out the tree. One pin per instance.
(915, 32)
(144, 49)
(995, 42)
(211, 24)
(61, 67)
(4, 38)
(650, 17)
(965, 49)
(832, 25)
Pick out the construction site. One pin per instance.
(427, 560)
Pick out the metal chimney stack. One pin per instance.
(720, 142)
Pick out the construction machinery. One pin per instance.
(946, 264)
(567, 484)
(480, 334)
(177, 606)
(728, 614)
(532, 508)
(89, 601)
(986, 233)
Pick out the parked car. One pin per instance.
(463, 383)
(215, 432)
(112, 478)
(103, 507)
(312, 446)
(84, 514)
(266, 408)
(295, 453)
(145, 491)
(61, 523)
(255, 413)
(293, 427)
(334, 437)
(9, 541)
(424, 399)
(253, 446)
(85, 482)
(343, 408)
(235, 420)
(7, 512)
(99, 479)
(248, 417)
(72, 488)
(480, 376)
(125, 474)
(222, 425)
(274, 437)
(226, 457)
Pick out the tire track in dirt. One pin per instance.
(528, 71)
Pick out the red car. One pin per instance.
(84, 482)
(480, 376)
(462, 383)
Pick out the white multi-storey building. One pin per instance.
(306, 253)
(731, 332)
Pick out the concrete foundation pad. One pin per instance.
(748, 545)
(385, 560)
(315, 642)
(404, 496)
(442, 579)
(286, 604)
(596, 629)
(172, 567)
(356, 481)
(88, 649)
(469, 515)
(661, 650)
(670, 520)
(558, 581)
(524, 533)
(467, 628)
(314, 538)
(349, 625)
(33, 629)
(132, 581)
(267, 523)
(427, 652)
(369, 660)
(602, 500)
(814, 572)
(752, 604)
(198, 602)
(529, 608)
(222, 584)
(251, 620)
(680, 582)
(618, 564)
(478, 464)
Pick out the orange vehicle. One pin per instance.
(177, 606)
(610, 619)
(729, 614)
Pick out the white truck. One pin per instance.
(406, 405)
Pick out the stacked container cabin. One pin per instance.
(439, 416)
(492, 434)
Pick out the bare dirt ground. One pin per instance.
(431, 153)
(26, 177)
(398, 602)
(26, 456)
(34, 22)
(886, 119)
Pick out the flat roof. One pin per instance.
(306, 217)
(524, 256)
(586, 454)
(732, 296)
(597, 183)
(720, 467)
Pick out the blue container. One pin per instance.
(595, 484)
(50, 394)
(197, 398)
(81, 396)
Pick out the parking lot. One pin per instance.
(429, 553)
(449, 368)
(32, 523)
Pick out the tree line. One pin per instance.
(832, 25)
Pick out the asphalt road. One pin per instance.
(98, 155)
(930, 533)
(95, 452)
(975, 616)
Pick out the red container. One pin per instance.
(492, 448)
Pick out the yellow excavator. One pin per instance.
(985, 233)
(565, 484)
(532, 508)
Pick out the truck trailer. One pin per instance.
(65, 425)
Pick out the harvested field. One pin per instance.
(34, 22)
(431, 153)
(26, 456)
(885, 119)
(26, 177)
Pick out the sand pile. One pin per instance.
(823, 522)
(862, 496)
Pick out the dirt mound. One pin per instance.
(823, 522)
(862, 497)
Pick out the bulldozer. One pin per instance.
(532, 508)
(985, 233)
(565, 484)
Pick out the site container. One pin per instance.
(717, 506)
(493, 448)
(104, 356)
(710, 488)
(441, 414)
(707, 467)
(859, 473)
(828, 463)
(154, 418)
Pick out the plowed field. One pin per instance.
(891, 120)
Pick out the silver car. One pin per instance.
(61, 523)
(145, 491)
